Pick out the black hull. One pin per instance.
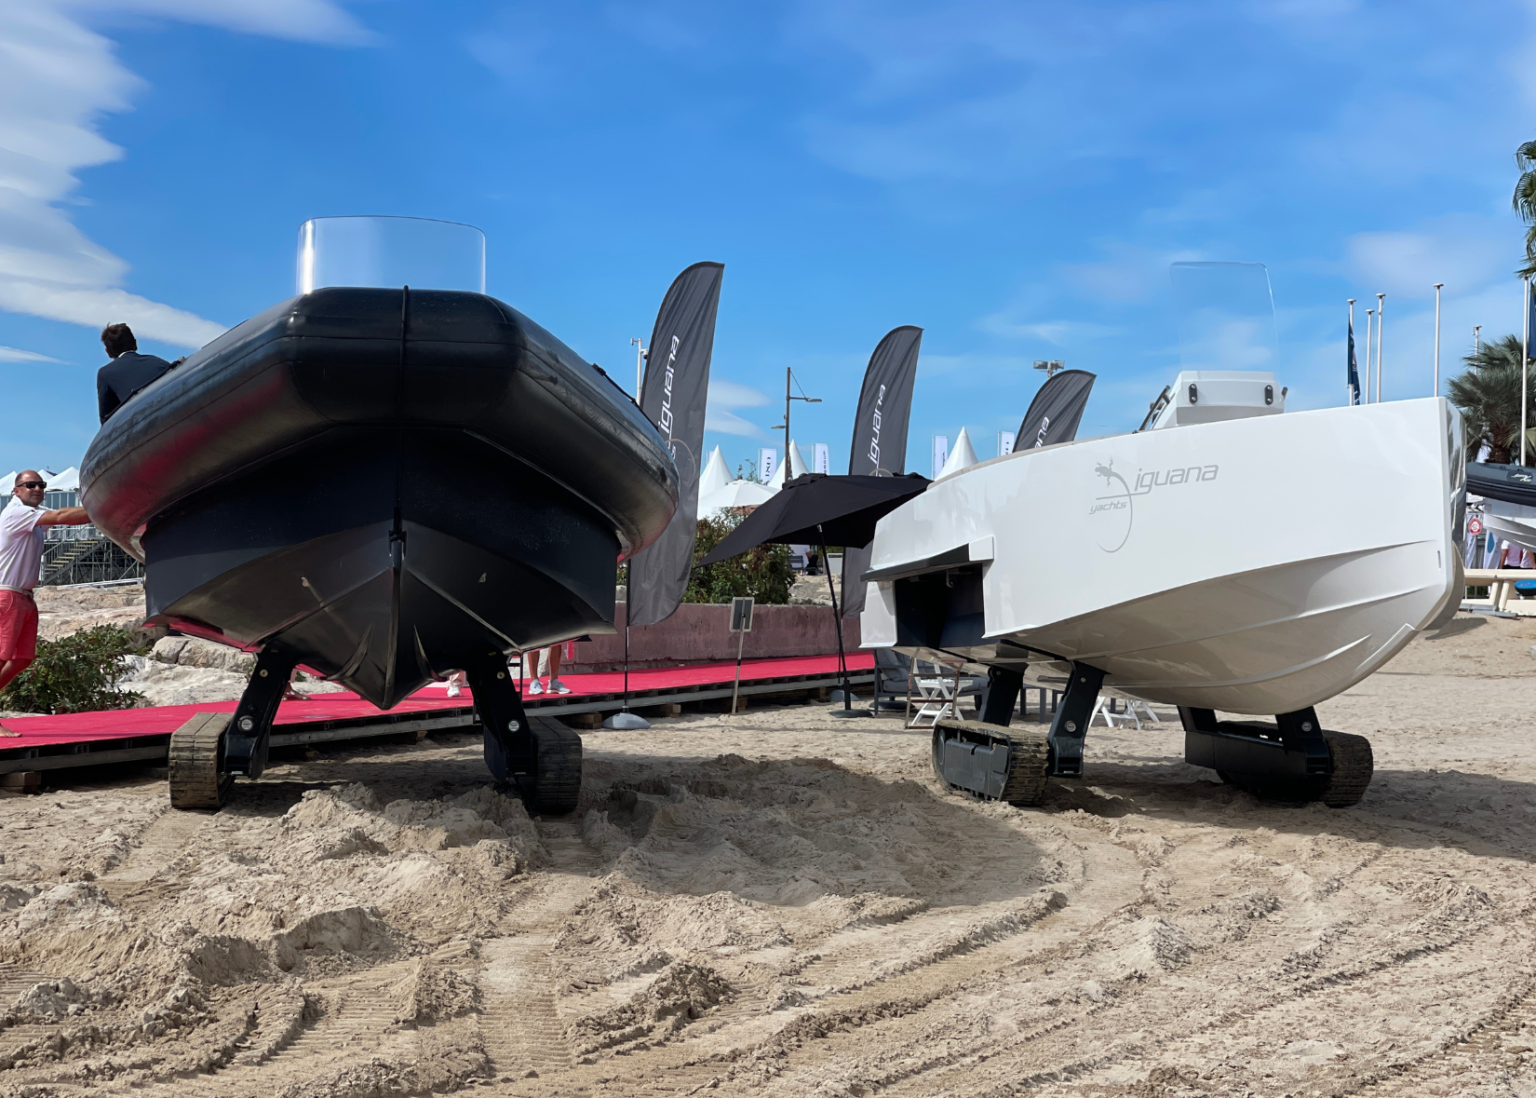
(383, 510)
(1507, 483)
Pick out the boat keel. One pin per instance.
(1294, 759)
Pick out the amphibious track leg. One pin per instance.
(199, 778)
(991, 762)
(1294, 759)
(250, 729)
(1069, 728)
(540, 756)
(1003, 687)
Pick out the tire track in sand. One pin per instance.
(519, 1025)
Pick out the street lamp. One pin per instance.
(789, 376)
(639, 366)
(1050, 366)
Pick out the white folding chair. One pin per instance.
(1112, 719)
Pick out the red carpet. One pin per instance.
(116, 724)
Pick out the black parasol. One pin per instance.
(818, 509)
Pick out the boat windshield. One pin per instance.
(1226, 316)
(390, 252)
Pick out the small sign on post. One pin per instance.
(741, 625)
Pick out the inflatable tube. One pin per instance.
(382, 482)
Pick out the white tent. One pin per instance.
(715, 475)
(8, 482)
(738, 493)
(963, 456)
(791, 467)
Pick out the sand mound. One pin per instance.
(778, 904)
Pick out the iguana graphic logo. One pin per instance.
(1110, 515)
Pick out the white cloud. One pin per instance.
(297, 20)
(726, 396)
(57, 77)
(1465, 253)
(16, 354)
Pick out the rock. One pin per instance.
(192, 652)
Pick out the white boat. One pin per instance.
(1228, 558)
(1511, 522)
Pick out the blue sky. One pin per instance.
(1013, 177)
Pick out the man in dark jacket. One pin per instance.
(127, 373)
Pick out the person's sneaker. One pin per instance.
(453, 689)
(535, 688)
(558, 687)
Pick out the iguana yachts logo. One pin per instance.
(1111, 514)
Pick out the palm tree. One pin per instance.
(1525, 201)
(1488, 394)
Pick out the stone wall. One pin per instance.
(698, 633)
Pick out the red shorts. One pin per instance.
(18, 627)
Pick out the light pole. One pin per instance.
(789, 375)
(1050, 366)
(1437, 338)
(1381, 328)
(1525, 364)
(639, 366)
(1477, 339)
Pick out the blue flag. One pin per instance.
(1530, 303)
(1354, 368)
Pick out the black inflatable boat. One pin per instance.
(384, 486)
(1509, 483)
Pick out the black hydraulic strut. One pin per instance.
(250, 729)
(1069, 727)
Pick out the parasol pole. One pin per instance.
(624, 719)
(837, 620)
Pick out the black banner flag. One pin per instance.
(880, 435)
(1056, 411)
(673, 396)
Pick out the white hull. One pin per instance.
(1256, 566)
(1510, 522)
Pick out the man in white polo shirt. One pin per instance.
(23, 526)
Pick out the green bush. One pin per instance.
(76, 673)
(763, 572)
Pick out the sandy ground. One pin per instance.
(778, 903)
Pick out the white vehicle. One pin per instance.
(1227, 558)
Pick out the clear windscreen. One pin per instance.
(1226, 316)
(390, 252)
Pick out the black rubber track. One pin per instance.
(197, 762)
(557, 768)
(1353, 766)
(1028, 762)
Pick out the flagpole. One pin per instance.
(1381, 330)
(1437, 338)
(1370, 317)
(1525, 367)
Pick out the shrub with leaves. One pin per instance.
(76, 673)
(763, 572)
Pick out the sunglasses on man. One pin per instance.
(32, 484)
